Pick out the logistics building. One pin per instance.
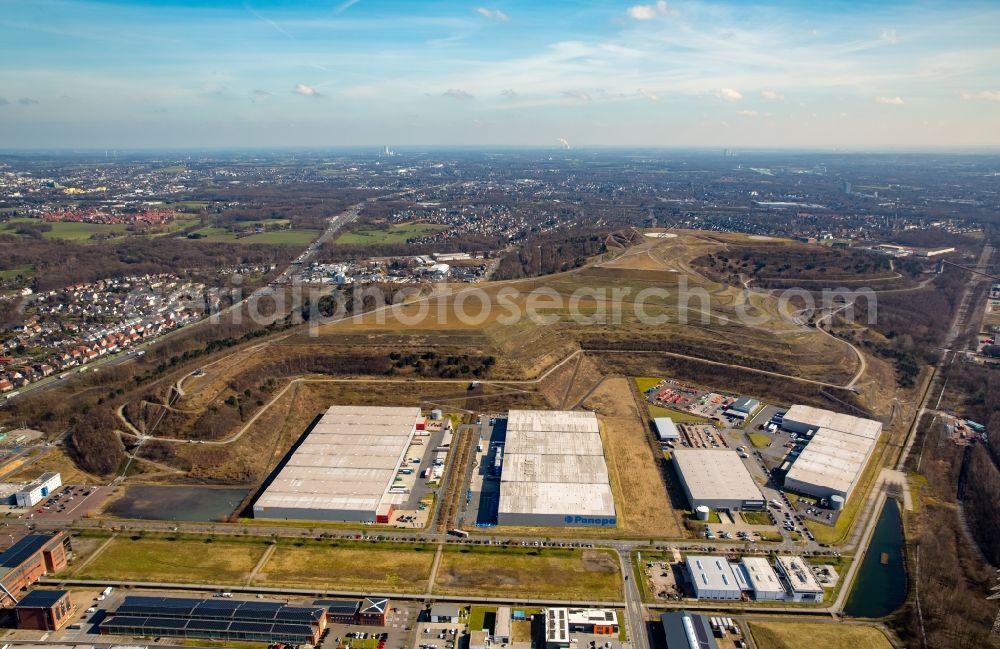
(37, 491)
(802, 583)
(715, 578)
(666, 430)
(717, 479)
(684, 630)
(762, 579)
(345, 468)
(836, 453)
(554, 472)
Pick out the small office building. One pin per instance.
(373, 611)
(38, 490)
(444, 613)
(556, 628)
(596, 621)
(666, 430)
(44, 610)
(802, 583)
(763, 580)
(502, 626)
(340, 611)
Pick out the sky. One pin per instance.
(845, 75)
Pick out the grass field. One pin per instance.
(678, 416)
(646, 382)
(180, 561)
(759, 440)
(545, 573)
(393, 234)
(68, 231)
(26, 271)
(349, 566)
(756, 518)
(792, 635)
(278, 237)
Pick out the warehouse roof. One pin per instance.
(819, 418)
(666, 428)
(554, 464)
(799, 575)
(714, 573)
(348, 461)
(760, 575)
(715, 474)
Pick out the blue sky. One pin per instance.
(267, 73)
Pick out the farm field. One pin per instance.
(393, 234)
(545, 573)
(791, 635)
(361, 566)
(177, 561)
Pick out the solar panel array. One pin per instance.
(218, 609)
(213, 617)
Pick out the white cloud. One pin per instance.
(577, 94)
(648, 12)
(747, 113)
(306, 91)
(456, 93)
(728, 94)
(890, 101)
(772, 95)
(509, 93)
(493, 14)
(988, 95)
(563, 142)
(889, 36)
(344, 6)
(651, 96)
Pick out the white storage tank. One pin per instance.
(836, 502)
(701, 512)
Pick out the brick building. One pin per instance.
(44, 610)
(30, 559)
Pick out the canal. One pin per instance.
(880, 586)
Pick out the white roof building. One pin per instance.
(666, 429)
(714, 578)
(344, 468)
(801, 581)
(836, 454)
(763, 580)
(717, 479)
(554, 471)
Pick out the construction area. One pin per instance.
(553, 471)
(346, 468)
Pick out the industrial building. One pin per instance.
(802, 583)
(717, 479)
(37, 491)
(713, 577)
(502, 626)
(216, 619)
(684, 630)
(345, 468)
(595, 621)
(44, 610)
(762, 579)
(666, 430)
(30, 559)
(444, 613)
(556, 628)
(554, 472)
(835, 455)
(742, 408)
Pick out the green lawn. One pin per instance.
(678, 416)
(180, 561)
(393, 234)
(756, 518)
(646, 382)
(26, 271)
(67, 231)
(277, 237)
(791, 635)
(759, 440)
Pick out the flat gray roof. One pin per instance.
(836, 455)
(715, 474)
(714, 573)
(554, 464)
(348, 461)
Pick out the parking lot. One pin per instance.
(483, 499)
(67, 503)
(400, 620)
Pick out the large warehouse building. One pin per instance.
(554, 472)
(835, 456)
(717, 479)
(344, 469)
